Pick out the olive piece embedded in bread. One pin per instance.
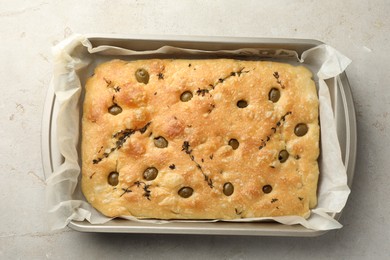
(185, 192)
(186, 96)
(113, 178)
(267, 188)
(228, 189)
(274, 95)
(150, 173)
(242, 103)
(142, 76)
(160, 142)
(301, 129)
(115, 110)
(234, 143)
(283, 156)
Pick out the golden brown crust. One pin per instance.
(198, 132)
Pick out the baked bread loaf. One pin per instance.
(200, 139)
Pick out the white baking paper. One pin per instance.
(75, 56)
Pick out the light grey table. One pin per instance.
(28, 29)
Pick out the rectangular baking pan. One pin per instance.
(343, 108)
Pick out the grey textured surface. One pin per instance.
(359, 29)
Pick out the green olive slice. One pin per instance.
(150, 173)
(142, 76)
(274, 95)
(185, 192)
(228, 189)
(301, 129)
(113, 178)
(115, 110)
(242, 103)
(283, 156)
(267, 188)
(160, 142)
(186, 96)
(234, 143)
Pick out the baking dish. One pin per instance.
(342, 104)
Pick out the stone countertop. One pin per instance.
(28, 29)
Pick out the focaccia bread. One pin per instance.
(200, 139)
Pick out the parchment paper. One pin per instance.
(75, 59)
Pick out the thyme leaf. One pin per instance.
(277, 77)
(108, 82)
(187, 150)
(278, 124)
(202, 92)
(121, 137)
(147, 192)
(127, 190)
(205, 91)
